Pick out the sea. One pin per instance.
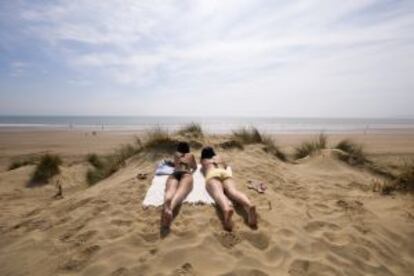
(211, 124)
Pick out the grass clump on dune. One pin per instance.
(271, 147)
(252, 135)
(48, 167)
(248, 136)
(406, 177)
(159, 139)
(310, 147)
(105, 166)
(21, 163)
(355, 153)
(192, 130)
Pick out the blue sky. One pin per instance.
(207, 58)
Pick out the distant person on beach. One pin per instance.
(179, 183)
(221, 186)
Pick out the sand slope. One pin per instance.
(318, 217)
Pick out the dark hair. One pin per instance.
(207, 153)
(183, 147)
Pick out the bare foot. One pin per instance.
(166, 217)
(252, 217)
(228, 224)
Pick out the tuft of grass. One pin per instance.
(356, 155)
(47, 168)
(191, 130)
(248, 136)
(271, 147)
(405, 179)
(105, 166)
(94, 160)
(159, 139)
(231, 144)
(21, 162)
(310, 147)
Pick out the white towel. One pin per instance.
(199, 194)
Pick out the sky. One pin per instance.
(284, 58)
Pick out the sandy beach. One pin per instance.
(319, 215)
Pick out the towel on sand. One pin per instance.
(199, 194)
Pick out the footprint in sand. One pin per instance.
(122, 271)
(305, 267)
(185, 270)
(150, 237)
(320, 226)
(286, 237)
(228, 239)
(78, 263)
(337, 239)
(120, 222)
(86, 236)
(276, 255)
(260, 240)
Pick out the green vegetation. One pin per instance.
(248, 136)
(310, 147)
(405, 179)
(355, 154)
(159, 139)
(47, 168)
(105, 166)
(231, 144)
(192, 130)
(22, 162)
(272, 148)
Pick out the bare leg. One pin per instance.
(184, 188)
(215, 189)
(241, 198)
(170, 190)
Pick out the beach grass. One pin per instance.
(310, 147)
(355, 152)
(247, 136)
(405, 179)
(271, 147)
(48, 167)
(21, 163)
(159, 139)
(103, 167)
(191, 130)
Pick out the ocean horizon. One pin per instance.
(211, 124)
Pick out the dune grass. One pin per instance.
(247, 136)
(310, 147)
(48, 167)
(356, 155)
(103, 167)
(192, 130)
(155, 140)
(231, 144)
(159, 139)
(271, 147)
(22, 162)
(405, 179)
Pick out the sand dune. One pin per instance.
(318, 217)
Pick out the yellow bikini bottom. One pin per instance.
(221, 174)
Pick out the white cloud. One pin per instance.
(271, 51)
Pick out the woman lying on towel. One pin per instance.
(221, 187)
(179, 183)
